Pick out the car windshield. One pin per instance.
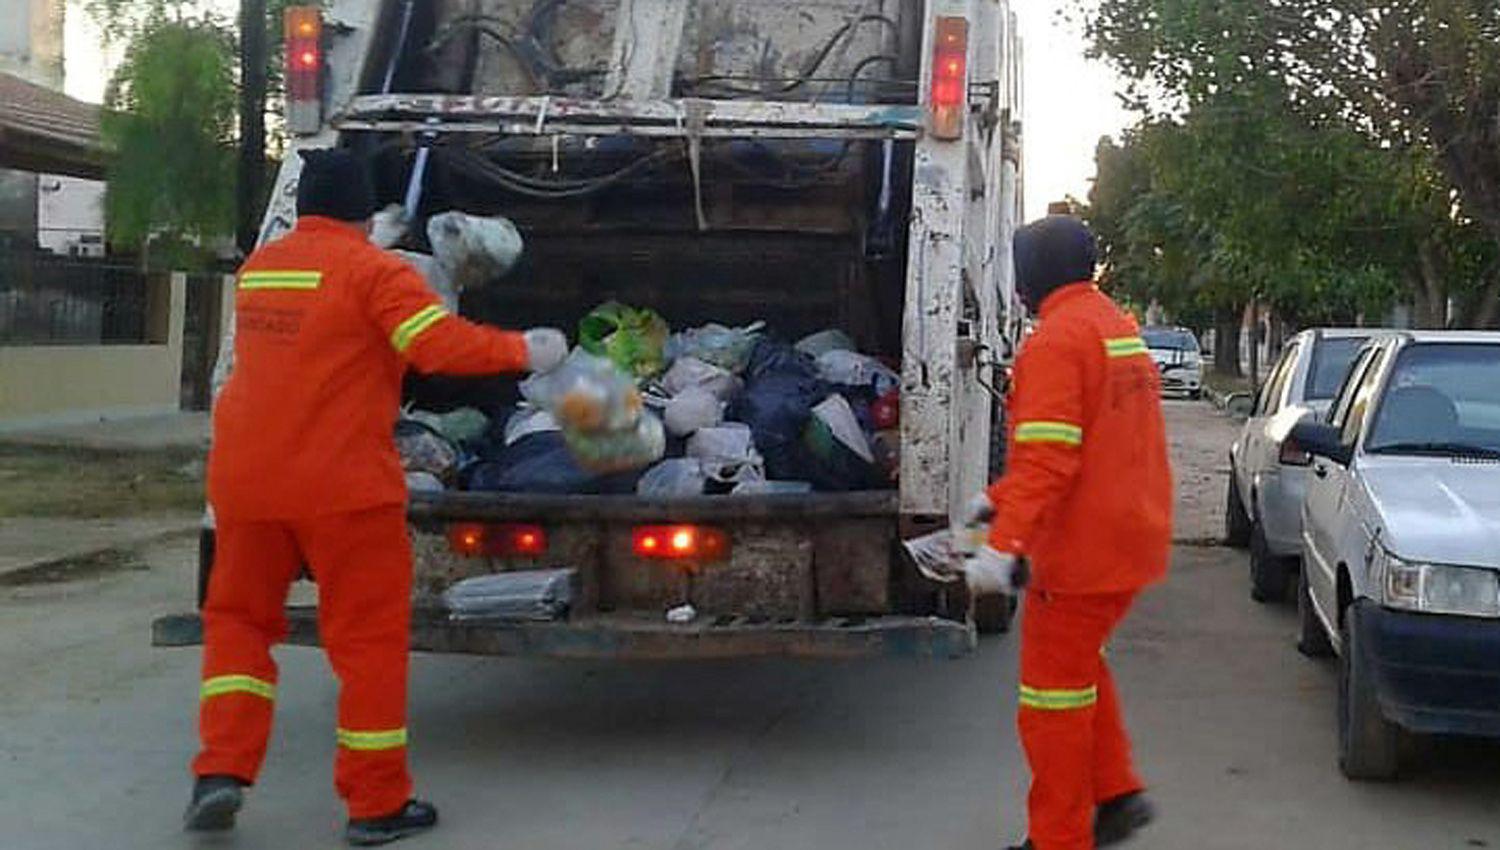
(1442, 399)
(1169, 339)
(1330, 362)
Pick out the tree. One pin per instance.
(170, 122)
(1419, 78)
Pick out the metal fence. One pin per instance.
(51, 299)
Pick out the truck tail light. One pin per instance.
(950, 77)
(680, 543)
(507, 540)
(303, 28)
(1292, 454)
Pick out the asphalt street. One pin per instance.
(1233, 728)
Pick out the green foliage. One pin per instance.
(170, 122)
(1329, 156)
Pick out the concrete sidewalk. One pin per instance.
(185, 430)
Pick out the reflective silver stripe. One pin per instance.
(1049, 432)
(1053, 699)
(407, 332)
(220, 685)
(384, 739)
(280, 280)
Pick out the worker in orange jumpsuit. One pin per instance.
(304, 471)
(1086, 500)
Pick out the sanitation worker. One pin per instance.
(304, 470)
(1086, 500)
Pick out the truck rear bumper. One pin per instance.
(627, 637)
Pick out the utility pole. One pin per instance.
(250, 187)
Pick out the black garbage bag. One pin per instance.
(781, 389)
(542, 464)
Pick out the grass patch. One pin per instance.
(91, 483)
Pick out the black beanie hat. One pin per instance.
(1051, 253)
(336, 184)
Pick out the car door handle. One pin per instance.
(1321, 470)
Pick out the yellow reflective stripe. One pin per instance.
(1049, 432)
(280, 280)
(385, 739)
(221, 685)
(407, 332)
(1059, 700)
(1125, 346)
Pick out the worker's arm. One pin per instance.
(1046, 440)
(411, 316)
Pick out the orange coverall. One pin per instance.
(304, 470)
(1087, 497)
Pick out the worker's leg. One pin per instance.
(244, 615)
(1061, 639)
(362, 564)
(1114, 770)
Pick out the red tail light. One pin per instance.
(1292, 454)
(950, 77)
(303, 27)
(509, 540)
(680, 543)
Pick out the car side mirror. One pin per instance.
(1322, 440)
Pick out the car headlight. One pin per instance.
(1436, 588)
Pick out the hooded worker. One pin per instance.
(1086, 500)
(304, 471)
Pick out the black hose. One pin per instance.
(808, 71)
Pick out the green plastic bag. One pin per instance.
(635, 339)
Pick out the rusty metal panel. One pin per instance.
(437, 566)
(853, 565)
(769, 574)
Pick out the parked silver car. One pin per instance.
(1401, 544)
(1267, 475)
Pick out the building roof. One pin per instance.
(44, 130)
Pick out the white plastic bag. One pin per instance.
(690, 410)
(471, 250)
(586, 394)
(815, 345)
(527, 421)
(679, 476)
(435, 277)
(690, 372)
(850, 368)
(725, 347)
(727, 453)
(836, 413)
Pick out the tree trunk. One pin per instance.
(252, 164)
(1430, 290)
(1227, 341)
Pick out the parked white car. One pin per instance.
(1267, 476)
(1401, 544)
(1176, 353)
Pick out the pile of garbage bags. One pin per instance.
(712, 410)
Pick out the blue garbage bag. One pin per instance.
(542, 464)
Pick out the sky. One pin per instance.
(1069, 101)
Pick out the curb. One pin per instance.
(45, 569)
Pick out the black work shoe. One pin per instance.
(215, 801)
(412, 818)
(1024, 845)
(1117, 818)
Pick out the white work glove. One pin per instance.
(546, 349)
(990, 571)
(388, 226)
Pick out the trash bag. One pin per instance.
(690, 410)
(887, 448)
(690, 372)
(780, 392)
(835, 413)
(635, 339)
(473, 250)
(436, 278)
(850, 368)
(680, 476)
(829, 461)
(773, 356)
(587, 394)
(538, 595)
(526, 421)
(543, 464)
(388, 226)
(423, 449)
(725, 347)
(814, 345)
(423, 482)
(771, 488)
(461, 426)
(885, 412)
(731, 441)
(607, 452)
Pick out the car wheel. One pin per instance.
(994, 612)
(1369, 744)
(1269, 575)
(1195, 395)
(1236, 520)
(1312, 638)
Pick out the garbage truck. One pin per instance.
(844, 165)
